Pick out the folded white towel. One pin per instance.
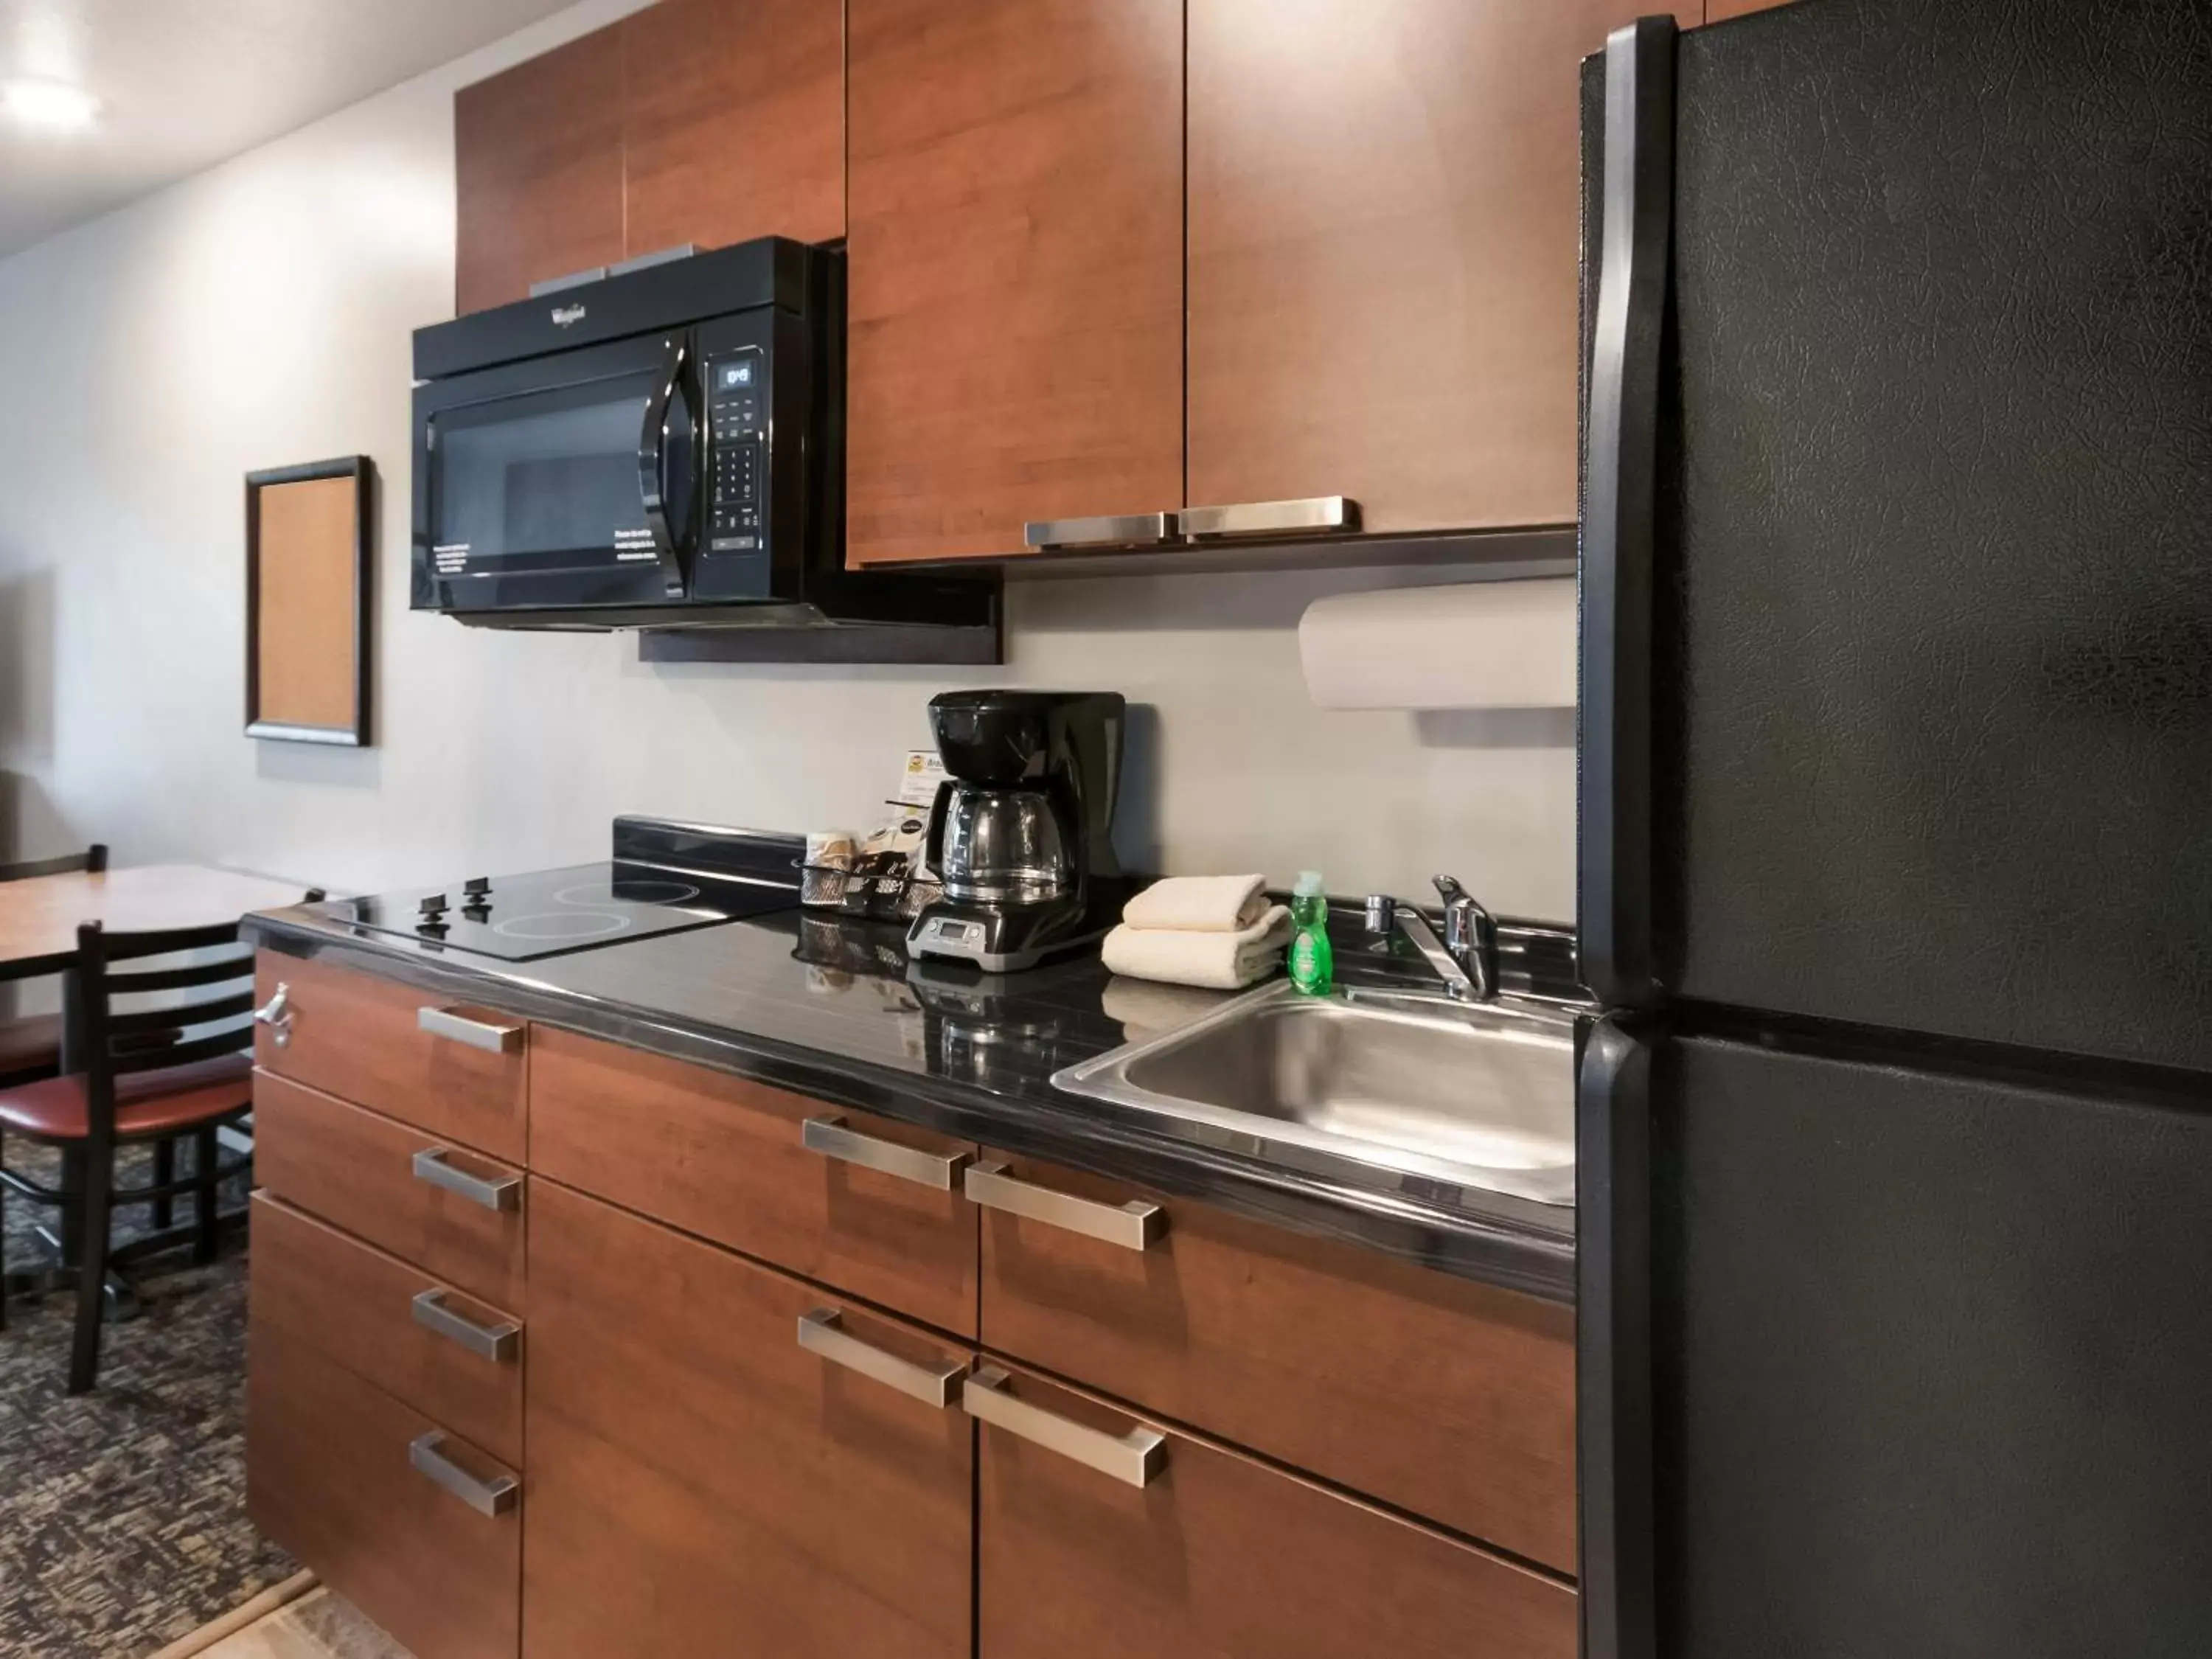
(1199, 904)
(1213, 961)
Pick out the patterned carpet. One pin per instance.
(123, 1512)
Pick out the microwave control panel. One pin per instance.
(737, 430)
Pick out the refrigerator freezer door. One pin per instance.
(1931, 641)
(1926, 1363)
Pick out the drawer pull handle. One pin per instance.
(822, 1333)
(497, 1343)
(1299, 517)
(494, 1497)
(276, 1015)
(493, 1038)
(1124, 529)
(1134, 1458)
(1135, 1225)
(493, 1192)
(830, 1137)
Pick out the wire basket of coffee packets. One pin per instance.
(826, 872)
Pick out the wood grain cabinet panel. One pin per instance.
(355, 1304)
(1016, 219)
(1718, 9)
(733, 122)
(361, 1038)
(1221, 1558)
(1453, 1399)
(356, 1170)
(329, 1478)
(701, 1484)
(1383, 247)
(538, 170)
(724, 1156)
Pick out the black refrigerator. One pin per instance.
(1895, 846)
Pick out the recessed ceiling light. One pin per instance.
(52, 104)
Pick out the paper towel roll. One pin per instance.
(1475, 645)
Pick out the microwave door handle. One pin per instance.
(652, 470)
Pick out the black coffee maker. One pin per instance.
(1021, 835)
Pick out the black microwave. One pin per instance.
(662, 447)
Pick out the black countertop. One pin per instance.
(833, 1010)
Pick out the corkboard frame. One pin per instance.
(352, 730)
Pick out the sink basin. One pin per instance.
(1476, 1095)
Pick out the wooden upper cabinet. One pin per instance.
(702, 121)
(1016, 199)
(538, 171)
(733, 122)
(1385, 242)
(1718, 9)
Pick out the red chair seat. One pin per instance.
(165, 1101)
(33, 1044)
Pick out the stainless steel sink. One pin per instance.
(1476, 1095)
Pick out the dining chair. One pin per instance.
(183, 1067)
(31, 1046)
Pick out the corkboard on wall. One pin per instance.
(307, 598)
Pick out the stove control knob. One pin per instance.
(476, 887)
(433, 907)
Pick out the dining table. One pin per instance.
(39, 919)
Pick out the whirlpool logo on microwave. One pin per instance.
(564, 316)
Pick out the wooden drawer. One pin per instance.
(1450, 1399)
(701, 1484)
(1216, 1555)
(726, 1159)
(458, 1362)
(361, 1038)
(331, 1475)
(457, 1215)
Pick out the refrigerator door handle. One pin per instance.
(1613, 849)
(1612, 1339)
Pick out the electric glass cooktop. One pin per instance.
(549, 913)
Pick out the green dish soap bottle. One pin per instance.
(1313, 967)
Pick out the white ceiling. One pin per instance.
(183, 84)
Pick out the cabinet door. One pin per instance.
(733, 122)
(1017, 270)
(538, 171)
(1383, 254)
(1214, 1556)
(702, 1484)
(1717, 10)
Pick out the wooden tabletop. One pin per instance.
(38, 917)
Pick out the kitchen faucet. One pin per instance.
(1465, 958)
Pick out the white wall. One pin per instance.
(259, 315)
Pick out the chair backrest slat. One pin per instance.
(123, 1060)
(142, 1021)
(181, 979)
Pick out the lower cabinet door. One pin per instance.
(725, 1460)
(419, 1530)
(1100, 1534)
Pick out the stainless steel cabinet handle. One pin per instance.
(492, 1039)
(1124, 529)
(1134, 1457)
(493, 1192)
(1312, 515)
(1135, 1225)
(821, 1332)
(497, 1343)
(494, 1497)
(276, 1015)
(830, 1137)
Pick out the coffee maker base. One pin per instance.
(1004, 941)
